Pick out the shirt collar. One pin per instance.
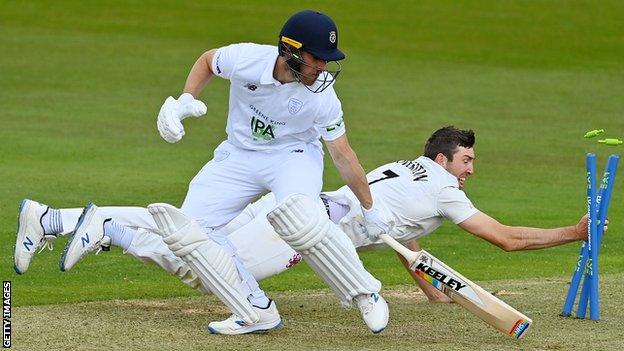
(433, 163)
(267, 74)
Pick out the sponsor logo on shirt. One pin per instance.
(294, 260)
(251, 87)
(332, 127)
(217, 61)
(262, 131)
(262, 126)
(261, 115)
(294, 105)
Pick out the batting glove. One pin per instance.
(375, 225)
(173, 112)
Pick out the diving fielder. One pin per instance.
(416, 196)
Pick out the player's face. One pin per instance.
(311, 68)
(462, 165)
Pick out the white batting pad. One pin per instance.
(214, 267)
(304, 225)
(149, 247)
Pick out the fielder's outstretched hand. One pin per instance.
(173, 112)
(581, 227)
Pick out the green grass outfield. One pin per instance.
(81, 84)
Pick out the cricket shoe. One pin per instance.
(269, 320)
(88, 236)
(374, 311)
(30, 234)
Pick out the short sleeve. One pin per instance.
(455, 205)
(225, 60)
(330, 122)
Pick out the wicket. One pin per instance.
(587, 263)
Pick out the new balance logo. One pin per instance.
(241, 323)
(375, 297)
(85, 240)
(28, 244)
(297, 151)
(251, 87)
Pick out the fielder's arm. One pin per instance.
(469, 295)
(513, 238)
(433, 294)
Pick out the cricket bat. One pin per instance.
(469, 295)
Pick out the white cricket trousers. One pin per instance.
(235, 177)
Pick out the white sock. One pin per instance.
(52, 222)
(259, 300)
(69, 219)
(120, 235)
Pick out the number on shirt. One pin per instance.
(388, 175)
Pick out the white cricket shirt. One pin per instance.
(265, 114)
(416, 196)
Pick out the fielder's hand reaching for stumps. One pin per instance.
(581, 227)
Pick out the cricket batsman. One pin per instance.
(281, 104)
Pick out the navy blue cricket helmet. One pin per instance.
(317, 34)
(313, 32)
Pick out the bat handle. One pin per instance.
(409, 255)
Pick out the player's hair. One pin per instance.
(446, 140)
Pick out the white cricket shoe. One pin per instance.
(88, 236)
(269, 320)
(30, 234)
(374, 311)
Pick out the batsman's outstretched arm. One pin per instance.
(514, 238)
(433, 294)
